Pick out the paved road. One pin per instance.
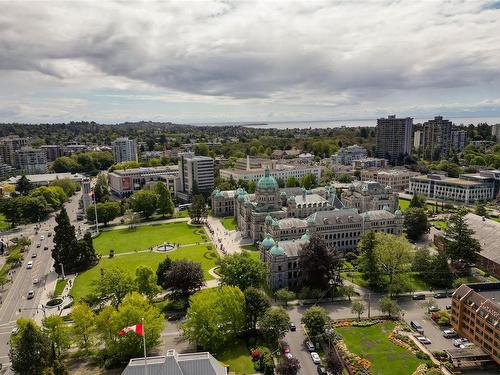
(14, 298)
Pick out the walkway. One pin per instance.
(230, 241)
(163, 252)
(146, 223)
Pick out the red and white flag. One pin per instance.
(137, 328)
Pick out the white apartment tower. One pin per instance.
(124, 149)
(196, 173)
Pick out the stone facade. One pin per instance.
(369, 196)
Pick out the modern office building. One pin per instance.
(279, 171)
(346, 155)
(476, 316)
(458, 139)
(124, 149)
(394, 136)
(397, 179)
(52, 152)
(436, 138)
(31, 160)
(465, 190)
(123, 183)
(8, 147)
(174, 363)
(196, 175)
(47, 178)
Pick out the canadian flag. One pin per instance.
(137, 328)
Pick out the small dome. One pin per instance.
(269, 219)
(267, 182)
(215, 191)
(268, 242)
(365, 188)
(291, 199)
(283, 194)
(386, 208)
(275, 223)
(277, 251)
(241, 198)
(306, 236)
(366, 216)
(388, 188)
(398, 213)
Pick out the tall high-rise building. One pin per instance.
(8, 147)
(196, 174)
(495, 132)
(31, 160)
(394, 137)
(124, 149)
(52, 151)
(458, 139)
(436, 140)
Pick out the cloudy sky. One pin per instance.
(211, 61)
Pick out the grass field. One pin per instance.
(60, 287)
(83, 283)
(252, 249)
(440, 224)
(4, 225)
(372, 343)
(229, 223)
(237, 357)
(142, 238)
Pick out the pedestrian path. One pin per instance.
(146, 223)
(226, 242)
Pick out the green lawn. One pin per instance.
(143, 237)
(60, 286)
(252, 250)
(372, 343)
(404, 204)
(4, 225)
(237, 357)
(229, 223)
(83, 283)
(357, 278)
(440, 224)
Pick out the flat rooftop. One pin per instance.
(448, 180)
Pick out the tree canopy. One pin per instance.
(241, 270)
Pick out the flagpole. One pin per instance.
(144, 345)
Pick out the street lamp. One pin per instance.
(62, 270)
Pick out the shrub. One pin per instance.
(422, 355)
(54, 302)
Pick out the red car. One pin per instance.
(286, 349)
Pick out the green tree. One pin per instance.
(30, 353)
(289, 366)
(23, 185)
(101, 188)
(347, 291)
(132, 310)
(308, 181)
(12, 210)
(421, 261)
(161, 271)
(165, 203)
(201, 149)
(439, 274)
(53, 195)
(64, 243)
(387, 305)
(358, 307)
(462, 248)
(106, 212)
(333, 363)
(480, 209)
(84, 254)
(315, 319)
(344, 178)
(417, 201)
(144, 202)
(292, 182)
(113, 285)
(145, 279)
(83, 326)
(66, 164)
(58, 333)
(393, 255)
(274, 324)
(215, 317)
(183, 278)
(284, 295)
(319, 263)
(33, 209)
(415, 223)
(242, 270)
(69, 187)
(256, 304)
(198, 210)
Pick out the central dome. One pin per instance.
(267, 182)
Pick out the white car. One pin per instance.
(289, 355)
(31, 294)
(315, 358)
(459, 342)
(29, 265)
(42, 237)
(423, 340)
(449, 333)
(35, 281)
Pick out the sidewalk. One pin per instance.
(48, 289)
(231, 241)
(125, 226)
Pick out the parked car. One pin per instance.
(42, 237)
(292, 326)
(29, 265)
(38, 244)
(448, 307)
(49, 234)
(417, 327)
(46, 248)
(460, 341)
(286, 349)
(288, 355)
(424, 340)
(14, 330)
(417, 297)
(440, 295)
(322, 370)
(35, 281)
(434, 309)
(466, 345)
(449, 333)
(310, 346)
(315, 358)
(30, 295)
(33, 255)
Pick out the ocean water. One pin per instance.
(346, 123)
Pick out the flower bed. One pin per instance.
(355, 323)
(402, 340)
(357, 365)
